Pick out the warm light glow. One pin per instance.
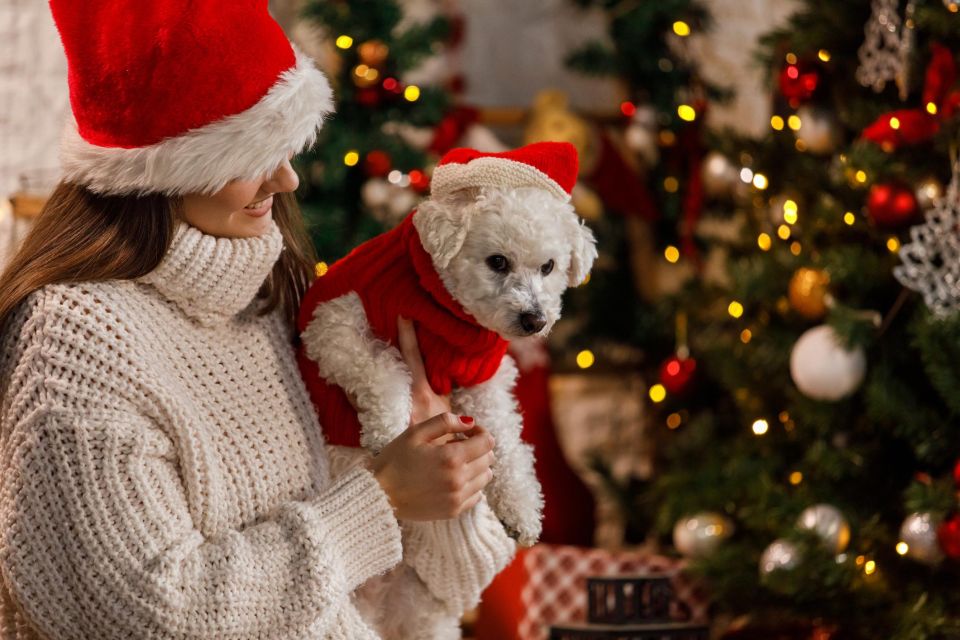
(667, 138)
(794, 122)
(658, 393)
(672, 254)
(395, 176)
(671, 184)
(894, 123)
(760, 181)
(585, 359)
(686, 112)
(849, 217)
(796, 478)
(893, 244)
(361, 70)
(903, 548)
(760, 426)
(411, 93)
(790, 212)
(777, 123)
(791, 58)
(746, 175)
(344, 42)
(764, 241)
(869, 567)
(746, 336)
(861, 176)
(932, 108)
(824, 55)
(735, 309)
(795, 248)
(799, 145)
(681, 28)
(351, 158)
(628, 108)
(674, 420)
(783, 231)
(321, 269)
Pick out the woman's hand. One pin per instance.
(438, 467)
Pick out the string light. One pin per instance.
(893, 244)
(681, 28)
(321, 269)
(860, 176)
(735, 309)
(764, 241)
(674, 420)
(794, 122)
(686, 112)
(902, 548)
(796, 478)
(658, 393)
(411, 93)
(783, 232)
(894, 123)
(791, 58)
(746, 175)
(671, 184)
(760, 426)
(628, 108)
(585, 359)
(351, 158)
(777, 123)
(672, 254)
(746, 336)
(395, 176)
(932, 108)
(760, 181)
(869, 567)
(824, 55)
(344, 42)
(849, 217)
(790, 209)
(795, 248)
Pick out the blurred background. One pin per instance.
(746, 424)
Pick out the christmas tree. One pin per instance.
(371, 164)
(808, 423)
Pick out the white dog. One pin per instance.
(484, 261)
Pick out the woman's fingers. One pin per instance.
(440, 425)
(479, 466)
(410, 350)
(478, 443)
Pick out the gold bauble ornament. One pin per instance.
(373, 52)
(551, 119)
(808, 292)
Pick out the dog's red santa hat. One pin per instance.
(547, 165)
(182, 96)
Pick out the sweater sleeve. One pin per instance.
(97, 541)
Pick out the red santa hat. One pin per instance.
(182, 96)
(548, 165)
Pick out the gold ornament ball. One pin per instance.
(699, 535)
(373, 52)
(808, 292)
(928, 192)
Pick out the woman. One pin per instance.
(162, 473)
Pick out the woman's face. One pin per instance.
(242, 209)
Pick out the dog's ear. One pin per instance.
(443, 225)
(583, 250)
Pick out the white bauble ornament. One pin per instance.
(819, 130)
(929, 191)
(699, 535)
(919, 531)
(822, 368)
(720, 176)
(375, 192)
(828, 523)
(781, 554)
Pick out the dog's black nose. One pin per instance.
(532, 322)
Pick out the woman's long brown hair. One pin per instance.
(81, 236)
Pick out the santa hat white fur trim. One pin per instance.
(244, 146)
(492, 172)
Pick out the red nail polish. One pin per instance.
(466, 420)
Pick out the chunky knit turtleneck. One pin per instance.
(213, 278)
(394, 276)
(163, 473)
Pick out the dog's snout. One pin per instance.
(532, 322)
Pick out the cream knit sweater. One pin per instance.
(163, 475)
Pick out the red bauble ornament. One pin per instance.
(798, 82)
(948, 535)
(676, 374)
(892, 204)
(377, 163)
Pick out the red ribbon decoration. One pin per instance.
(919, 125)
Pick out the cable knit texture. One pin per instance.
(394, 276)
(163, 474)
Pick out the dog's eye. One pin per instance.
(547, 268)
(498, 263)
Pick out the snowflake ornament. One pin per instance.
(882, 52)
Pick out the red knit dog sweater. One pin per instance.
(394, 276)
